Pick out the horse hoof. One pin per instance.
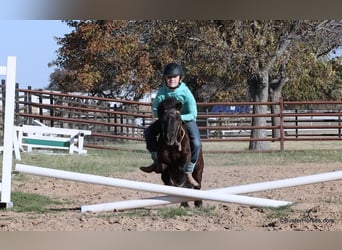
(184, 204)
(198, 203)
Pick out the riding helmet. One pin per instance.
(173, 69)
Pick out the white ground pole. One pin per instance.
(5, 186)
(240, 189)
(149, 187)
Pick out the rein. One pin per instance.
(179, 143)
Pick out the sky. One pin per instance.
(32, 43)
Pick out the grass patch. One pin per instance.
(98, 162)
(107, 162)
(163, 212)
(27, 202)
(172, 212)
(130, 156)
(279, 212)
(286, 158)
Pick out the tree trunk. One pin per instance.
(259, 92)
(276, 88)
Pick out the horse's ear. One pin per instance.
(179, 106)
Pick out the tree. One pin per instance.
(231, 60)
(101, 57)
(269, 55)
(263, 44)
(105, 55)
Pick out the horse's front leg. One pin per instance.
(161, 167)
(165, 176)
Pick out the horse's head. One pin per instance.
(169, 111)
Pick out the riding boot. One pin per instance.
(188, 173)
(150, 168)
(154, 166)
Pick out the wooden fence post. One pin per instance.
(281, 121)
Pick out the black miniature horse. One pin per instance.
(174, 151)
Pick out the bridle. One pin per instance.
(179, 143)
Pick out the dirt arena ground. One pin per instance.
(317, 207)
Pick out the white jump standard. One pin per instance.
(7, 160)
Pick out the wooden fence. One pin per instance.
(117, 120)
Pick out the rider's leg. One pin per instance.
(150, 134)
(195, 143)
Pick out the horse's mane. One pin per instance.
(169, 103)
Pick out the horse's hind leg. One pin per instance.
(198, 203)
(185, 204)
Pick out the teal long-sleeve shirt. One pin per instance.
(182, 94)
